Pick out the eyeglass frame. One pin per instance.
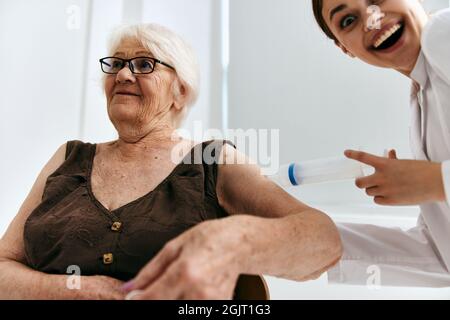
(128, 61)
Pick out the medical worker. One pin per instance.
(398, 34)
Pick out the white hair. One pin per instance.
(168, 47)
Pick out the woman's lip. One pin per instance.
(380, 32)
(396, 46)
(127, 94)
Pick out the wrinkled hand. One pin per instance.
(202, 263)
(400, 182)
(101, 288)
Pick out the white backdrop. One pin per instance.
(41, 62)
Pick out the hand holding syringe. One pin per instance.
(321, 170)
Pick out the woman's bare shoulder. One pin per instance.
(11, 244)
(242, 188)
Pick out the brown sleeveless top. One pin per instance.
(71, 227)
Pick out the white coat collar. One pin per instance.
(419, 76)
(419, 73)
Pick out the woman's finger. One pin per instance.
(155, 268)
(393, 154)
(132, 295)
(366, 182)
(364, 157)
(382, 201)
(171, 285)
(373, 191)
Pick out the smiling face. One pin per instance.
(140, 103)
(395, 45)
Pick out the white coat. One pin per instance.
(420, 256)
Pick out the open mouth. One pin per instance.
(389, 38)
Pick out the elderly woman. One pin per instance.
(126, 211)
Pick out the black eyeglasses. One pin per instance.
(138, 65)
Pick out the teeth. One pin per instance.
(386, 35)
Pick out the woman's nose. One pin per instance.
(125, 75)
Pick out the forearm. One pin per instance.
(297, 247)
(436, 181)
(18, 281)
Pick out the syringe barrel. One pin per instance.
(317, 171)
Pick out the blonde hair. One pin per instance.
(168, 47)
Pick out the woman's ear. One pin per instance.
(344, 49)
(179, 101)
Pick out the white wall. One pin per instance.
(41, 70)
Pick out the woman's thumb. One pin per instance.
(392, 154)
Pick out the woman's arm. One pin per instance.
(285, 237)
(269, 232)
(18, 281)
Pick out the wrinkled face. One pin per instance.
(138, 102)
(394, 44)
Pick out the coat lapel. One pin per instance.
(416, 137)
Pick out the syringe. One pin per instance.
(321, 170)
